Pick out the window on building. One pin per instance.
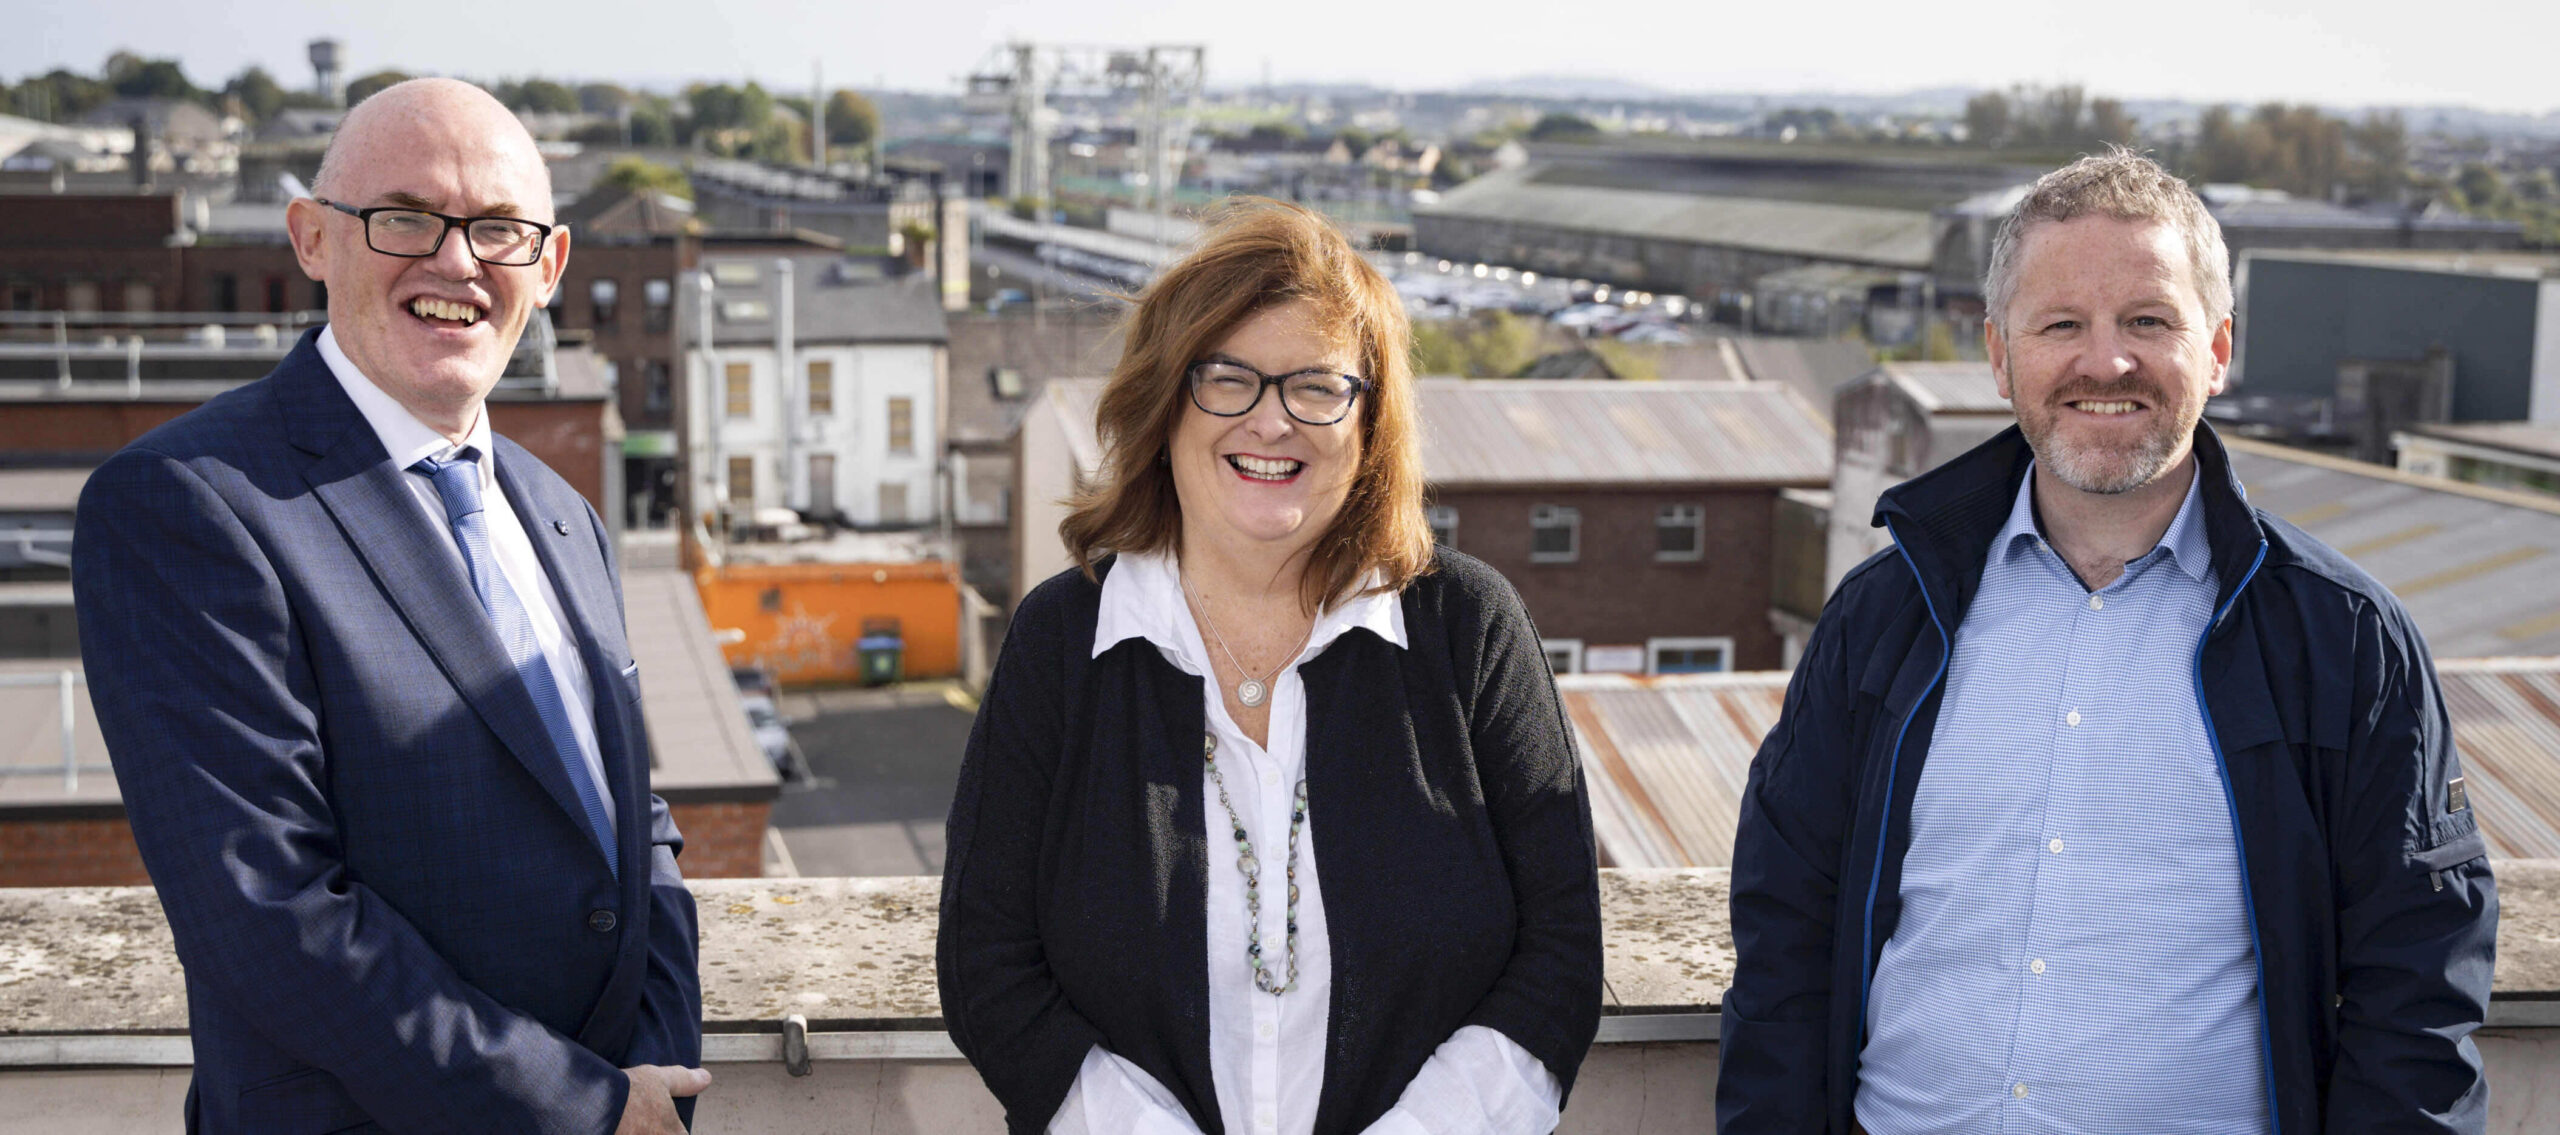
(742, 390)
(902, 425)
(822, 387)
(734, 273)
(1006, 382)
(1555, 534)
(22, 297)
(80, 297)
(604, 294)
(1689, 655)
(1680, 532)
(226, 292)
(660, 296)
(275, 295)
(745, 311)
(660, 394)
(893, 502)
(1564, 655)
(139, 297)
(1444, 524)
(742, 481)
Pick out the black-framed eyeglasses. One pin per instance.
(393, 230)
(1314, 397)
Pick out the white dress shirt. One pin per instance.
(1266, 1053)
(407, 440)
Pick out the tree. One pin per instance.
(2110, 124)
(603, 98)
(1986, 119)
(640, 175)
(1558, 126)
(135, 78)
(60, 95)
(720, 107)
(851, 119)
(542, 96)
(2379, 167)
(257, 92)
(651, 126)
(2482, 189)
(367, 86)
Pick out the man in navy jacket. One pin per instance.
(361, 667)
(2103, 801)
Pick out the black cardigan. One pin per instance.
(1460, 883)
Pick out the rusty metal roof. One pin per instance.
(1666, 758)
(1533, 432)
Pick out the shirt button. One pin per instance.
(2072, 719)
(1265, 1121)
(2097, 604)
(1270, 779)
(2019, 1091)
(1263, 1030)
(602, 921)
(2056, 846)
(2036, 965)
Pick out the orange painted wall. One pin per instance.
(802, 620)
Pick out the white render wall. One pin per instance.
(855, 432)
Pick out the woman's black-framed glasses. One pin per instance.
(1313, 397)
(510, 242)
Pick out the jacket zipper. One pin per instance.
(2240, 842)
(1892, 769)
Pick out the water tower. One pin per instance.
(330, 82)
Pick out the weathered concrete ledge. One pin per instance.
(82, 967)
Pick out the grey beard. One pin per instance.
(2100, 471)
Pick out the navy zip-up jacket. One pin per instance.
(2369, 890)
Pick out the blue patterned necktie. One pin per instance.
(458, 483)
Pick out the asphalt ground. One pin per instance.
(881, 766)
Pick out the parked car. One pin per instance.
(772, 730)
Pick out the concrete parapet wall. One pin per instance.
(92, 1008)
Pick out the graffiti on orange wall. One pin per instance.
(804, 621)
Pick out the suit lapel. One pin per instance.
(589, 614)
(355, 481)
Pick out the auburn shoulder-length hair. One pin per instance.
(1254, 254)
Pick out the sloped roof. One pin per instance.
(1666, 758)
(1534, 432)
(1893, 238)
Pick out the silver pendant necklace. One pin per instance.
(1252, 690)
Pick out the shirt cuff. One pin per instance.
(1477, 1081)
(1112, 1095)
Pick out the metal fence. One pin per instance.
(68, 717)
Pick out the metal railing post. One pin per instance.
(70, 742)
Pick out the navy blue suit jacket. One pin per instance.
(390, 909)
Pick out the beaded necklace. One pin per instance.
(1251, 866)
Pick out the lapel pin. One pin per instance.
(560, 526)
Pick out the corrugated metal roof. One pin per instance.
(1949, 388)
(2520, 437)
(1666, 758)
(2470, 563)
(1894, 238)
(1528, 432)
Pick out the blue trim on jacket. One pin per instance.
(2374, 906)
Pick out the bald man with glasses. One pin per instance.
(362, 670)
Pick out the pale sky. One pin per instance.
(2343, 53)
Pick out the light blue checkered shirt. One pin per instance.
(2074, 952)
